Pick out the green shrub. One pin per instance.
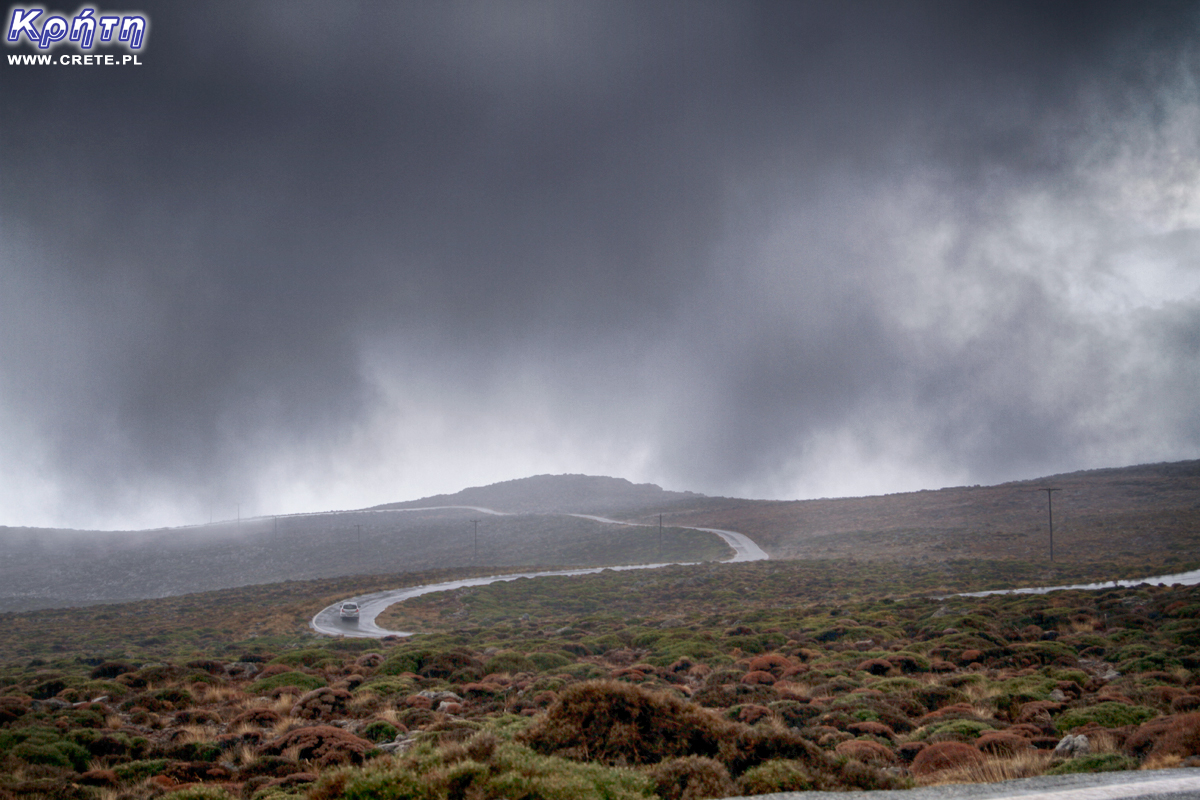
(302, 681)
(959, 730)
(544, 662)
(1107, 715)
(38, 745)
(509, 661)
(380, 731)
(202, 793)
(776, 776)
(312, 658)
(137, 771)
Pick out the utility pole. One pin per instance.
(1050, 508)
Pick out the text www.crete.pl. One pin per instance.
(74, 60)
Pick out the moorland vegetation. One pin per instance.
(684, 682)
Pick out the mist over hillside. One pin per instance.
(581, 494)
(47, 568)
(1147, 513)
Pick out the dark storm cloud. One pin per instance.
(729, 247)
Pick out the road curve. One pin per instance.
(328, 622)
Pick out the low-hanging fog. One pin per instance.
(327, 255)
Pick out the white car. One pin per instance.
(348, 612)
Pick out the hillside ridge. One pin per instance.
(547, 493)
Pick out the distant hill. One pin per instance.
(1148, 514)
(545, 494)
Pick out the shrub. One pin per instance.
(300, 680)
(509, 661)
(945, 755)
(1108, 714)
(380, 731)
(867, 752)
(776, 776)
(620, 723)
(111, 669)
(322, 703)
(324, 744)
(543, 662)
(312, 658)
(691, 778)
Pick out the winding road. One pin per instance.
(328, 622)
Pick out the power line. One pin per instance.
(1050, 509)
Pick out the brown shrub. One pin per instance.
(621, 723)
(956, 711)
(752, 713)
(871, 728)
(758, 677)
(369, 660)
(1185, 703)
(867, 752)
(773, 663)
(1177, 735)
(970, 656)
(945, 755)
(263, 717)
(323, 744)
(1038, 711)
(691, 778)
(323, 703)
(1002, 743)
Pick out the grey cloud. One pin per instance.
(714, 236)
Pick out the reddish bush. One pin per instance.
(1002, 743)
(945, 755)
(970, 656)
(1185, 703)
(1038, 711)
(263, 717)
(771, 662)
(323, 744)
(956, 711)
(752, 713)
(418, 701)
(1177, 735)
(759, 677)
(323, 703)
(621, 723)
(369, 660)
(908, 751)
(871, 728)
(867, 752)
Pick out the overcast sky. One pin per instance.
(325, 255)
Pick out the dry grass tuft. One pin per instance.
(1025, 764)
